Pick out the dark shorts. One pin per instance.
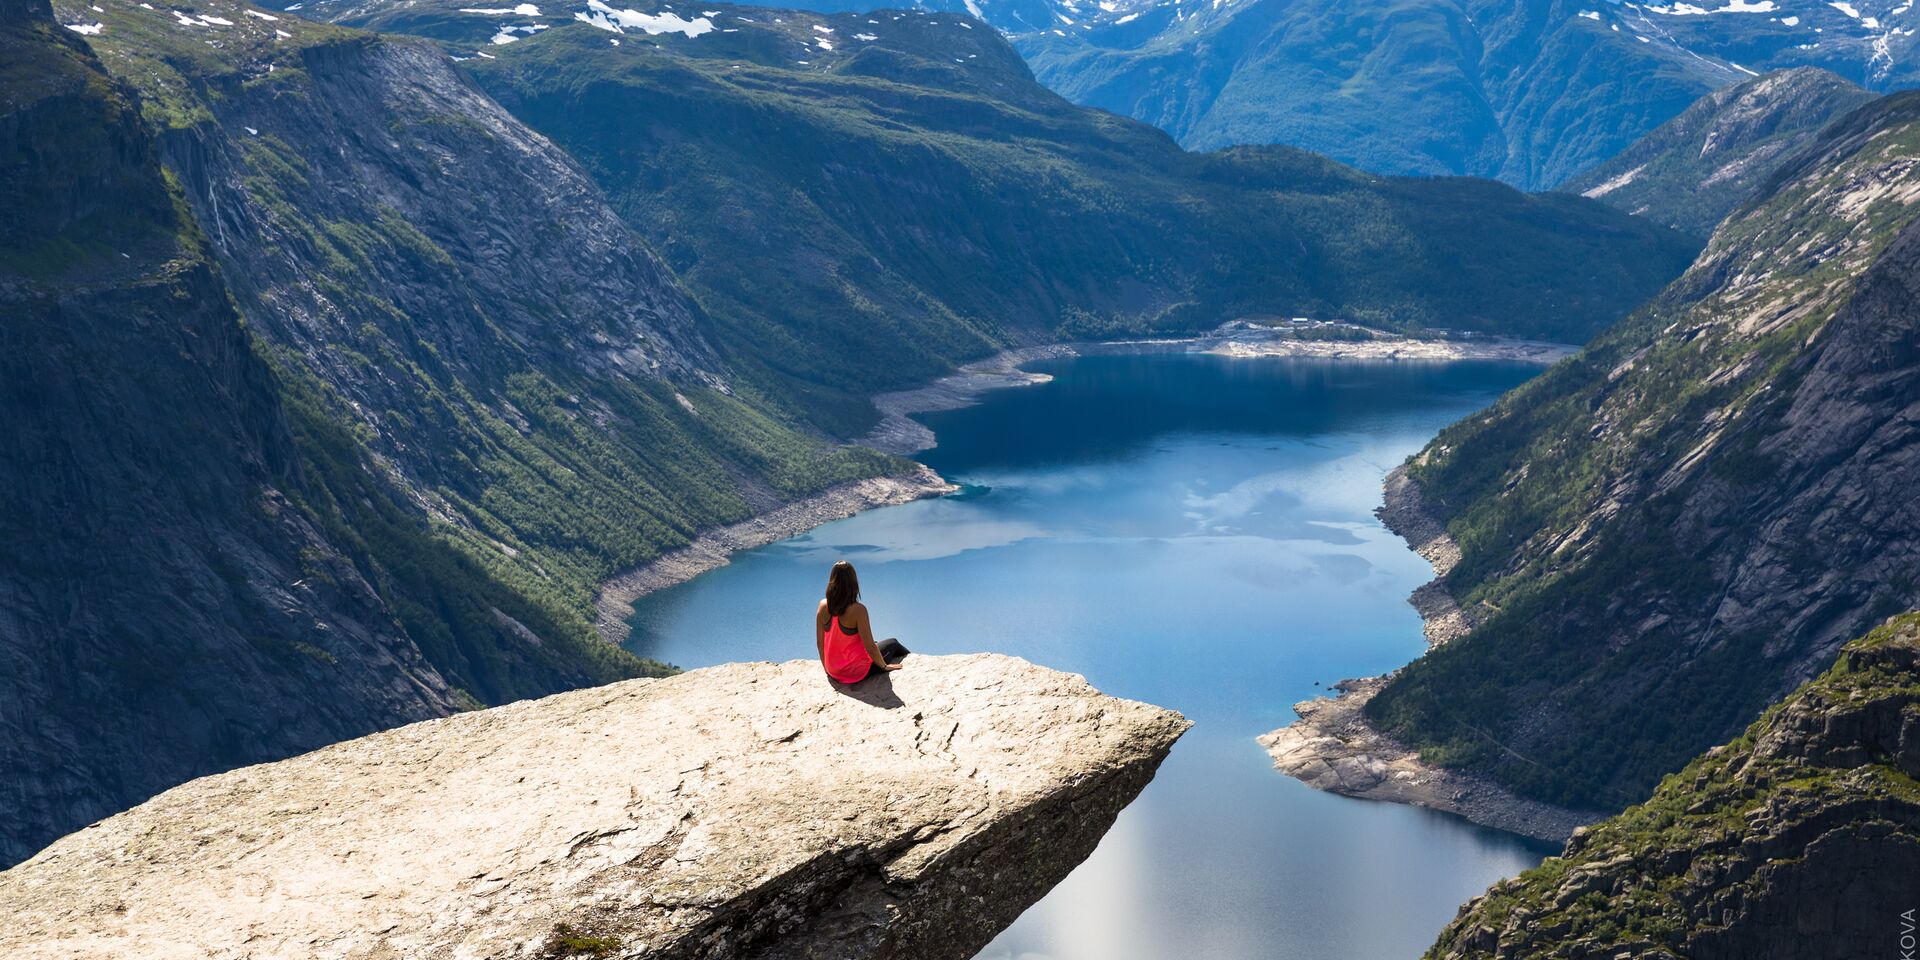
(892, 650)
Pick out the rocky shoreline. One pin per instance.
(1332, 747)
(898, 433)
(711, 549)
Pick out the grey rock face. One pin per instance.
(514, 258)
(1330, 746)
(749, 810)
(1693, 170)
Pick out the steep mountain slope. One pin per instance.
(166, 606)
(1673, 528)
(858, 201)
(1693, 170)
(1797, 841)
(430, 271)
(388, 494)
(1530, 92)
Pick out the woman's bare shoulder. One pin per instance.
(856, 610)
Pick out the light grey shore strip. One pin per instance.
(711, 549)
(1333, 747)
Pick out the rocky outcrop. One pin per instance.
(1720, 153)
(1798, 841)
(748, 810)
(897, 431)
(1404, 511)
(1675, 528)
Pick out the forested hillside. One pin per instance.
(1674, 528)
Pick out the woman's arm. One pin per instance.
(820, 633)
(866, 637)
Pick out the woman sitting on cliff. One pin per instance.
(844, 635)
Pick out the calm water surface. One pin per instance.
(1191, 531)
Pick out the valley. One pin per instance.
(377, 370)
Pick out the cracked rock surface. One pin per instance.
(746, 810)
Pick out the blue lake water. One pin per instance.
(1195, 532)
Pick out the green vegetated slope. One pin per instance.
(1697, 168)
(332, 394)
(1670, 530)
(1799, 840)
(446, 285)
(1527, 92)
(175, 598)
(859, 200)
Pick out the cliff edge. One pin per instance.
(747, 810)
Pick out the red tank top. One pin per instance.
(846, 656)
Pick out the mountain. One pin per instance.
(1693, 170)
(1529, 92)
(169, 608)
(858, 201)
(1674, 528)
(309, 433)
(1799, 840)
(392, 379)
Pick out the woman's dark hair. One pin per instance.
(843, 588)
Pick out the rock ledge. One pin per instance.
(747, 810)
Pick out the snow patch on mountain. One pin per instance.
(620, 21)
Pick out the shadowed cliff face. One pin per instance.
(1667, 532)
(749, 810)
(164, 610)
(1797, 841)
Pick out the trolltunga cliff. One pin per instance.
(747, 810)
